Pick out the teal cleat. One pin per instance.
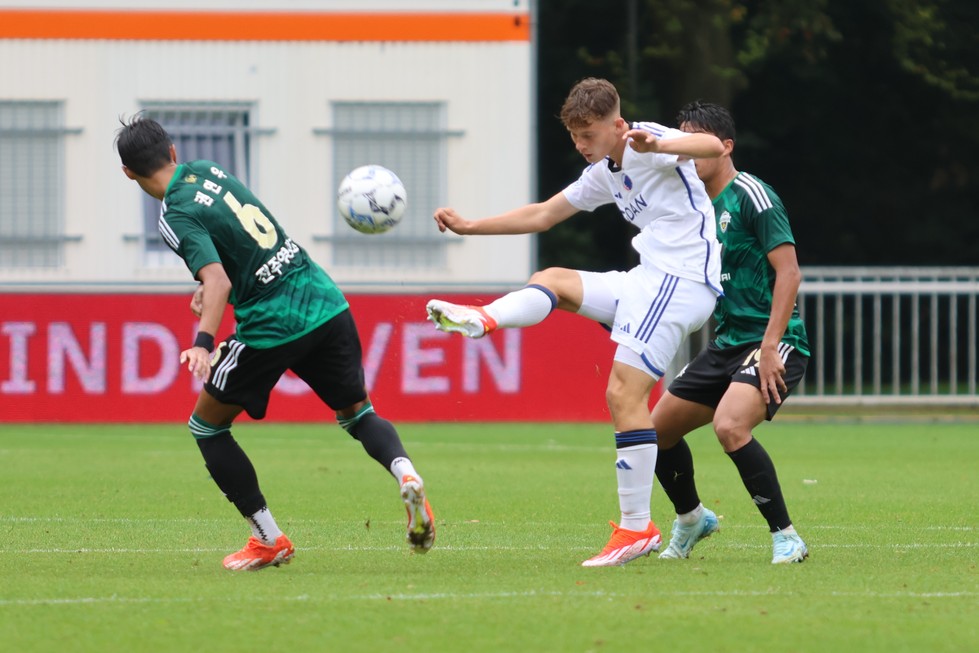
(684, 537)
(788, 547)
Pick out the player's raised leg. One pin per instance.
(520, 308)
(547, 290)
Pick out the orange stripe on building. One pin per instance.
(261, 26)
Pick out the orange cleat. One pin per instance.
(258, 555)
(626, 545)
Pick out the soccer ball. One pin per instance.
(371, 199)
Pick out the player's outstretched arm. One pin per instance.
(690, 146)
(529, 219)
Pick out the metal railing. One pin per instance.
(887, 336)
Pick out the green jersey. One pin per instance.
(277, 291)
(751, 222)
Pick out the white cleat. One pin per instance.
(470, 321)
(421, 521)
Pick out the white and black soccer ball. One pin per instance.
(371, 199)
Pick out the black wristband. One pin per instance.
(205, 340)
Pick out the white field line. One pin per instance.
(466, 548)
(719, 542)
(473, 522)
(454, 596)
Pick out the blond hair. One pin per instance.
(590, 100)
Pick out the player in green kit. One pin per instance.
(759, 353)
(290, 316)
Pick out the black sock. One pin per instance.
(380, 439)
(233, 472)
(674, 470)
(759, 478)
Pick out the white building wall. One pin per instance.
(487, 88)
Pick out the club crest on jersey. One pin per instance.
(724, 221)
(191, 179)
(627, 182)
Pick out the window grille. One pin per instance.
(410, 139)
(32, 184)
(216, 132)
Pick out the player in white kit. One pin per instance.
(646, 169)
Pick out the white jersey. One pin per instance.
(665, 199)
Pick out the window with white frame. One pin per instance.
(215, 132)
(408, 138)
(32, 184)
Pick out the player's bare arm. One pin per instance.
(529, 219)
(215, 289)
(197, 301)
(691, 146)
(788, 278)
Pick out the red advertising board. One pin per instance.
(113, 357)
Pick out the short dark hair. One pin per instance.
(143, 145)
(708, 117)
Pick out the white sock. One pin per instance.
(401, 467)
(264, 526)
(521, 308)
(635, 468)
(691, 517)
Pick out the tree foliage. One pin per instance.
(860, 113)
(936, 41)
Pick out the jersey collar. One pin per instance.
(177, 173)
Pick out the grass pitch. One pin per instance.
(113, 538)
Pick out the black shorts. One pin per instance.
(706, 378)
(328, 359)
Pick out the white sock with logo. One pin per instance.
(401, 467)
(635, 468)
(264, 527)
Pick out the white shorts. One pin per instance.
(649, 312)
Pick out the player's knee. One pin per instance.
(731, 432)
(202, 430)
(559, 283)
(667, 437)
(628, 411)
(349, 424)
(546, 277)
(614, 396)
